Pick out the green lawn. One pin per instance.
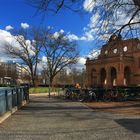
(43, 90)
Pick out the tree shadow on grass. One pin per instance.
(130, 124)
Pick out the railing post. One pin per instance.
(6, 99)
(18, 103)
(26, 93)
(13, 101)
(20, 95)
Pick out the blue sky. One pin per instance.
(78, 26)
(15, 12)
(81, 27)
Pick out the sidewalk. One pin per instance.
(53, 119)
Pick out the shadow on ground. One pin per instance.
(36, 108)
(130, 124)
(115, 107)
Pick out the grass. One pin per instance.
(43, 90)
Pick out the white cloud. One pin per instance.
(72, 37)
(30, 48)
(82, 60)
(44, 59)
(24, 25)
(50, 27)
(94, 53)
(61, 31)
(94, 20)
(9, 27)
(83, 38)
(87, 36)
(80, 64)
(103, 26)
(56, 35)
(88, 5)
(7, 38)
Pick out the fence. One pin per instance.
(12, 97)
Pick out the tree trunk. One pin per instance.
(50, 85)
(33, 79)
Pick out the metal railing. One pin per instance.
(12, 97)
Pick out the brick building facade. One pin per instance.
(117, 65)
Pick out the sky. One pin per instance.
(17, 13)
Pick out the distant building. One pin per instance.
(11, 73)
(117, 65)
(22, 74)
(8, 73)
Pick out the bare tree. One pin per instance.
(111, 16)
(117, 17)
(77, 76)
(59, 51)
(55, 6)
(71, 77)
(26, 50)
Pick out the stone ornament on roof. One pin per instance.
(115, 37)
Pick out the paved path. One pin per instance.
(52, 119)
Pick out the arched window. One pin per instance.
(115, 50)
(94, 73)
(127, 74)
(113, 76)
(125, 48)
(103, 77)
(94, 77)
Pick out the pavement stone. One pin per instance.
(55, 119)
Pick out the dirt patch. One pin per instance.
(129, 107)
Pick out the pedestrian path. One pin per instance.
(54, 119)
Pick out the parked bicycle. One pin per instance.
(114, 95)
(98, 94)
(72, 94)
(88, 95)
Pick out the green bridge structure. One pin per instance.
(12, 98)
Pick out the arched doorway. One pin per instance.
(113, 76)
(94, 77)
(127, 73)
(103, 77)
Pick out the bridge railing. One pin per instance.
(13, 97)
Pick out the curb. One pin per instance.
(9, 113)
